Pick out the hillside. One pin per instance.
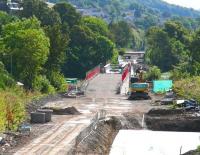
(143, 13)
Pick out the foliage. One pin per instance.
(12, 110)
(87, 49)
(121, 33)
(142, 13)
(167, 46)
(58, 46)
(5, 19)
(29, 47)
(114, 59)
(97, 25)
(153, 73)
(57, 80)
(41, 10)
(42, 84)
(5, 78)
(68, 14)
(121, 51)
(188, 88)
(180, 71)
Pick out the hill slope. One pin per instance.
(143, 13)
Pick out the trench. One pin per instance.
(98, 137)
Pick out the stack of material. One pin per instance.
(41, 116)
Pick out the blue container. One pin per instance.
(162, 85)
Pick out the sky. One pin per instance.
(195, 4)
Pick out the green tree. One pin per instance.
(5, 79)
(158, 50)
(81, 52)
(5, 19)
(176, 30)
(57, 55)
(97, 25)
(40, 9)
(154, 73)
(104, 49)
(58, 46)
(86, 50)
(168, 46)
(68, 13)
(121, 32)
(26, 42)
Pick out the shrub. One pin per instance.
(153, 73)
(5, 78)
(178, 74)
(42, 84)
(57, 80)
(2, 113)
(114, 59)
(188, 88)
(122, 51)
(12, 110)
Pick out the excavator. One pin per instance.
(138, 88)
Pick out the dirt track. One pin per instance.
(60, 138)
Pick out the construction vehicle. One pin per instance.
(138, 88)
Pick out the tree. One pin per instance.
(68, 14)
(80, 53)
(97, 25)
(195, 46)
(26, 42)
(158, 50)
(167, 46)
(104, 49)
(194, 54)
(58, 46)
(121, 33)
(154, 73)
(57, 55)
(40, 9)
(5, 19)
(176, 30)
(5, 78)
(86, 50)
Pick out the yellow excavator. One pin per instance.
(138, 88)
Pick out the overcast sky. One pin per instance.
(186, 3)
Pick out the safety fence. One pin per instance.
(125, 72)
(92, 73)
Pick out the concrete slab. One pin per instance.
(145, 142)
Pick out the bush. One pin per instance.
(12, 110)
(5, 78)
(122, 51)
(57, 80)
(179, 74)
(114, 59)
(42, 84)
(153, 73)
(2, 113)
(188, 88)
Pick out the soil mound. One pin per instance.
(64, 111)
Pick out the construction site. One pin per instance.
(118, 114)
